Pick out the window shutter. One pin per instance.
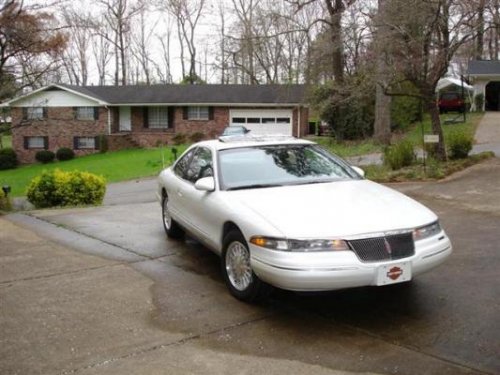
(46, 143)
(96, 113)
(171, 112)
(25, 113)
(75, 109)
(185, 113)
(210, 113)
(75, 143)
(145, 116)
(26, 143)
(45, 112)
(97, 144)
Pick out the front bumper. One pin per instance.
(338, 270)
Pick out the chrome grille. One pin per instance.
(391, 247)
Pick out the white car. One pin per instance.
(284, 212)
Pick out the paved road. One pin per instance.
(101, 290)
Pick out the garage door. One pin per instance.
(264, 121)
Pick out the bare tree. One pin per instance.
(102, 48)
(141, 44)
(118, 15)
(76, 59)
(187, 14)
(425, 36)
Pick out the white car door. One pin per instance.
(200, 207)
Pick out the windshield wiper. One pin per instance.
(254, 186)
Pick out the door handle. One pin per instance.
(179, 193)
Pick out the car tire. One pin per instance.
(239, 277)
(172, 229)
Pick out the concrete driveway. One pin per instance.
(102, 291)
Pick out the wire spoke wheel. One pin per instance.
(238, 266)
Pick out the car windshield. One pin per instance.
(277, 165)
(234, 130)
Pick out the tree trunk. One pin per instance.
(382, 126)
(337, 43)
(432, 109)
(480, 30)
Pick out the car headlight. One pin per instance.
(299, 245)
(426, 231)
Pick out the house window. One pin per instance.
(82, 143)
(198, 113)
(85, 113)
(158, 117)
(34, 113)
(35, 142)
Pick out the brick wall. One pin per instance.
(149, 137)
(60, 127)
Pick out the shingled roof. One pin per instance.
(195, 94)
(483, 67)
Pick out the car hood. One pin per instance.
(339, 209)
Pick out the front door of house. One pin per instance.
(125, 119)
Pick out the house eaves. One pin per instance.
(57, 86)
(482, 68)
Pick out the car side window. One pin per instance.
(200, 166)
(181, 166)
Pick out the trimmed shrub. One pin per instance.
(196, 137)
(8, 158)
(179, 139)
(5, 204)
(459, 145)
(65, 153)
(399, 155)
(59, 188)
(45, 156)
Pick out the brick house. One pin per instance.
(81, 118)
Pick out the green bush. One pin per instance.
(399, 155)
(179, 139)
(405, 110)
(196, 137)
(65, 153)
(5, 204)
(45, 156)
(8, 158)
(348, 110)
(459, 145)
(59, 188)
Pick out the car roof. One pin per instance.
(238, 141)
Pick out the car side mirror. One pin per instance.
(205, 184)
(359, 171)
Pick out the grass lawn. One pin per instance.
(114, 166)
(470, 125)
(347, 148)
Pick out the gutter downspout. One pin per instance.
(299, 120)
